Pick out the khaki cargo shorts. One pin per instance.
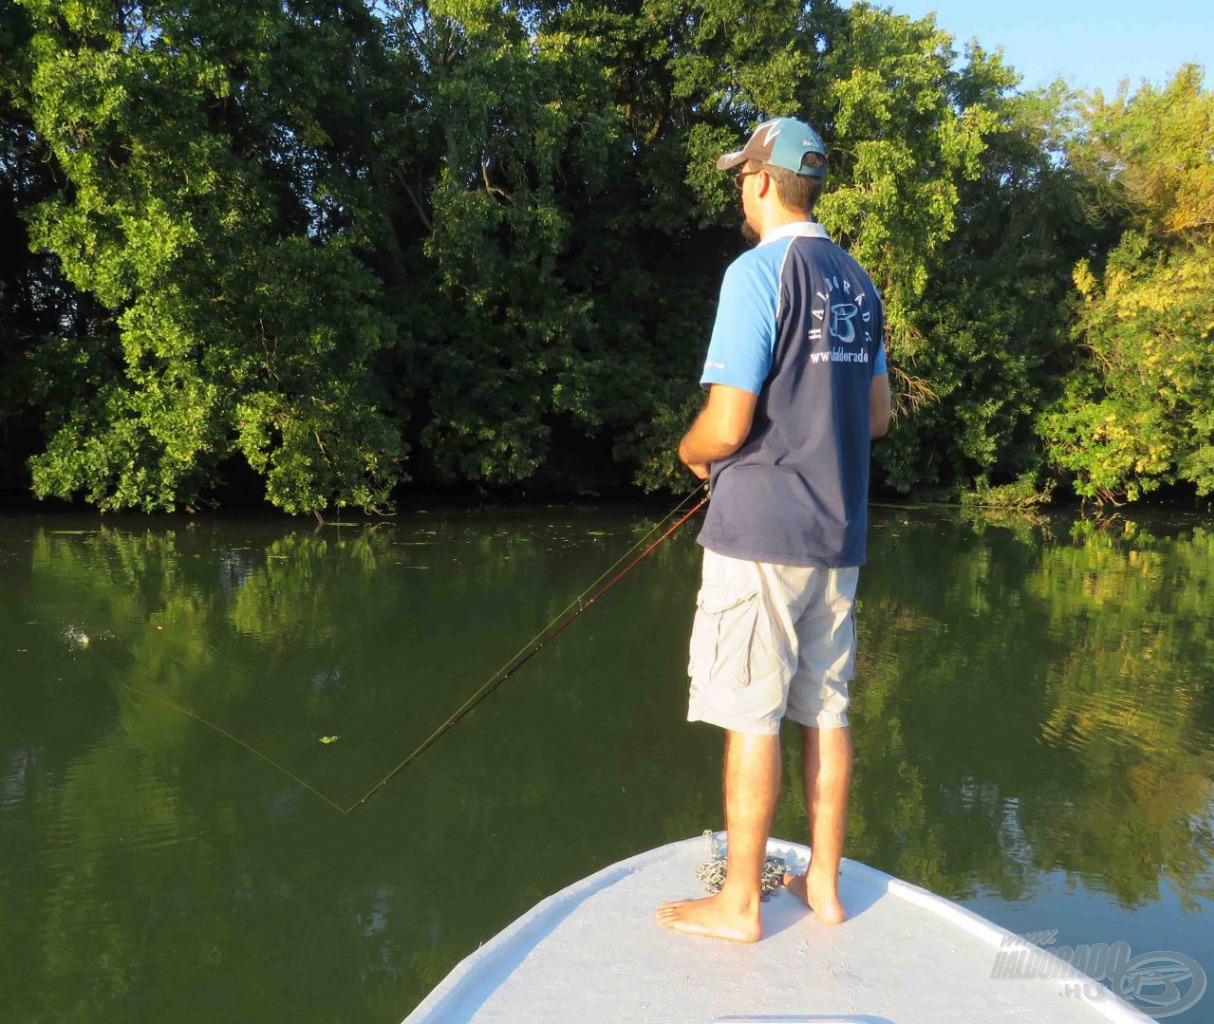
(769, 641)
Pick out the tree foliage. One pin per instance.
(213, 204)
(1140, 411)
(348, 245)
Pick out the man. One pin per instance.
(797, 386)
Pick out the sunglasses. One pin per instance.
(739, 179)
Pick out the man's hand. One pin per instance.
(702, 470)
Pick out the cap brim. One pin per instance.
(729, 160)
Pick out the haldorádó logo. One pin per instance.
(1161, 984)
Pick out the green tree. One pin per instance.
(904, 129)
(215, 204)
(994, 314)
(1139, 411)
(319, 238)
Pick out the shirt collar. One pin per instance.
(795, 229)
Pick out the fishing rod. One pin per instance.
(554, 628)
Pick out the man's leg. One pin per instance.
(752, 784)
(826, 774)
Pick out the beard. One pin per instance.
(749, 233)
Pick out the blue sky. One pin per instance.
(1089, 43)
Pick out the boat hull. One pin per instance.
(594, 952)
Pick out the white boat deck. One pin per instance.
(595, 953)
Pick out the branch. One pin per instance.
(491, 187)
(417, 204)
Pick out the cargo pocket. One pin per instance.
(722, 636)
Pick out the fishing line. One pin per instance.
(538, 642)
(532, 647)
(237, 740)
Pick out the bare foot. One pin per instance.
(713, 917)
(818, 894)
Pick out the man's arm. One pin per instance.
(879, 406)
(721, 428)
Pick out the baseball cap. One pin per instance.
(781, 142)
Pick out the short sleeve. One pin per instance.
(879, 366)
(744, 333)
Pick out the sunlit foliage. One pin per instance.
(337, 247)
(1139, 412)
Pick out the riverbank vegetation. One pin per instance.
(331, 251)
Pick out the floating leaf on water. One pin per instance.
(329, 739)
(76, 636)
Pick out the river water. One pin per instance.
(1033, 716)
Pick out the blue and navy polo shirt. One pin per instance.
(799, 324)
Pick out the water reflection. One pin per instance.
(1032, 697)
(1039, 699)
